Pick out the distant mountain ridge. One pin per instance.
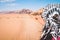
(23, 11)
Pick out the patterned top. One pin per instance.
(51, 15)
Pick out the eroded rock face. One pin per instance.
(38, 12)
(25, 11)
(20, 27)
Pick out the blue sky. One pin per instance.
(6, 5)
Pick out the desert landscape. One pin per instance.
(21, 25)
(29, 19)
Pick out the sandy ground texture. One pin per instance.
(20, 27)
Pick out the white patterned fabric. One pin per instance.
(51, 15)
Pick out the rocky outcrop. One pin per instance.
(23, 11)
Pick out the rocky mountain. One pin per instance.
(23, 11)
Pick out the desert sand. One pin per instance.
(20, 27)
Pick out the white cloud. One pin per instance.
(8, 3)
(7, 0)
(11, 4)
